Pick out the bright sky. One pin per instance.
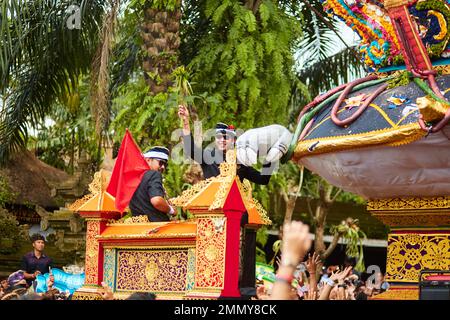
(346, 33)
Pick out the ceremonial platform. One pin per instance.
(204, 257)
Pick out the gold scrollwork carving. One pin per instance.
(410, 203)
(403, 219)
(408, 254)
(86, 296)
(210, 255)
(92, 249)
(152, 271)
(130, 220)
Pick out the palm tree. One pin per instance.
(160, 32)
(41, 59)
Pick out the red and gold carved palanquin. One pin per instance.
(198, 258)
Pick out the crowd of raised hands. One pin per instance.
(300, 275)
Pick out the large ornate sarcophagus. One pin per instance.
(203, 257)
(386, 136)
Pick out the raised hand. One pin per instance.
(261, 293)
(341, 275)
(107, 294)
(183, 113)
(310, 295)
(278, 262)
(312, 262)
(296, 243)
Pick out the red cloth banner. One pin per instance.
(128, 170)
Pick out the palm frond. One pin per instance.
(125, 61)
(328, 73)
(40, 60)
(100, 75)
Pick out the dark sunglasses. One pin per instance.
(162, 162)
(223, 136)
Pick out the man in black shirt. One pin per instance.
(36, 262)
(149, 197)
(210, 158)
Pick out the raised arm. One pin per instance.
(336, 277)
(296, 243)
(311, 265)
(189, 148)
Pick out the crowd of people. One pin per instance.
(22, 284)
(299, 276)
(312, 283)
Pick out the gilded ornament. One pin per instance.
(408, 203)
(130, 220)
(410, 253)
(394, 136)
(92, 248)
(398, 294)
(208, 232)
(438, 255)
(211, 253)
(151, 271)
(173, 261)
(209, 273)
(148, 275)
(431, 109)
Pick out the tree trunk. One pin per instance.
(320, 218)
(290, 206)
(319, 243)
(72, 153)
(161, 38)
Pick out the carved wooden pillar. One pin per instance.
(419, 237)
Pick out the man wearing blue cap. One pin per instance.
(149, 197)
(210, 159)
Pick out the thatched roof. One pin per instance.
(32, 180)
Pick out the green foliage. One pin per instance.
(253, 53)
(67, 131)
(127, 56)
(6, 194)
(350, 197)
(402, 79)
(353, 236)
(338, 68)
(173, 180)
(262, 236)
(9, 232)
(40, 60)
(261, 240)
(169, 5)
(281, 183)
